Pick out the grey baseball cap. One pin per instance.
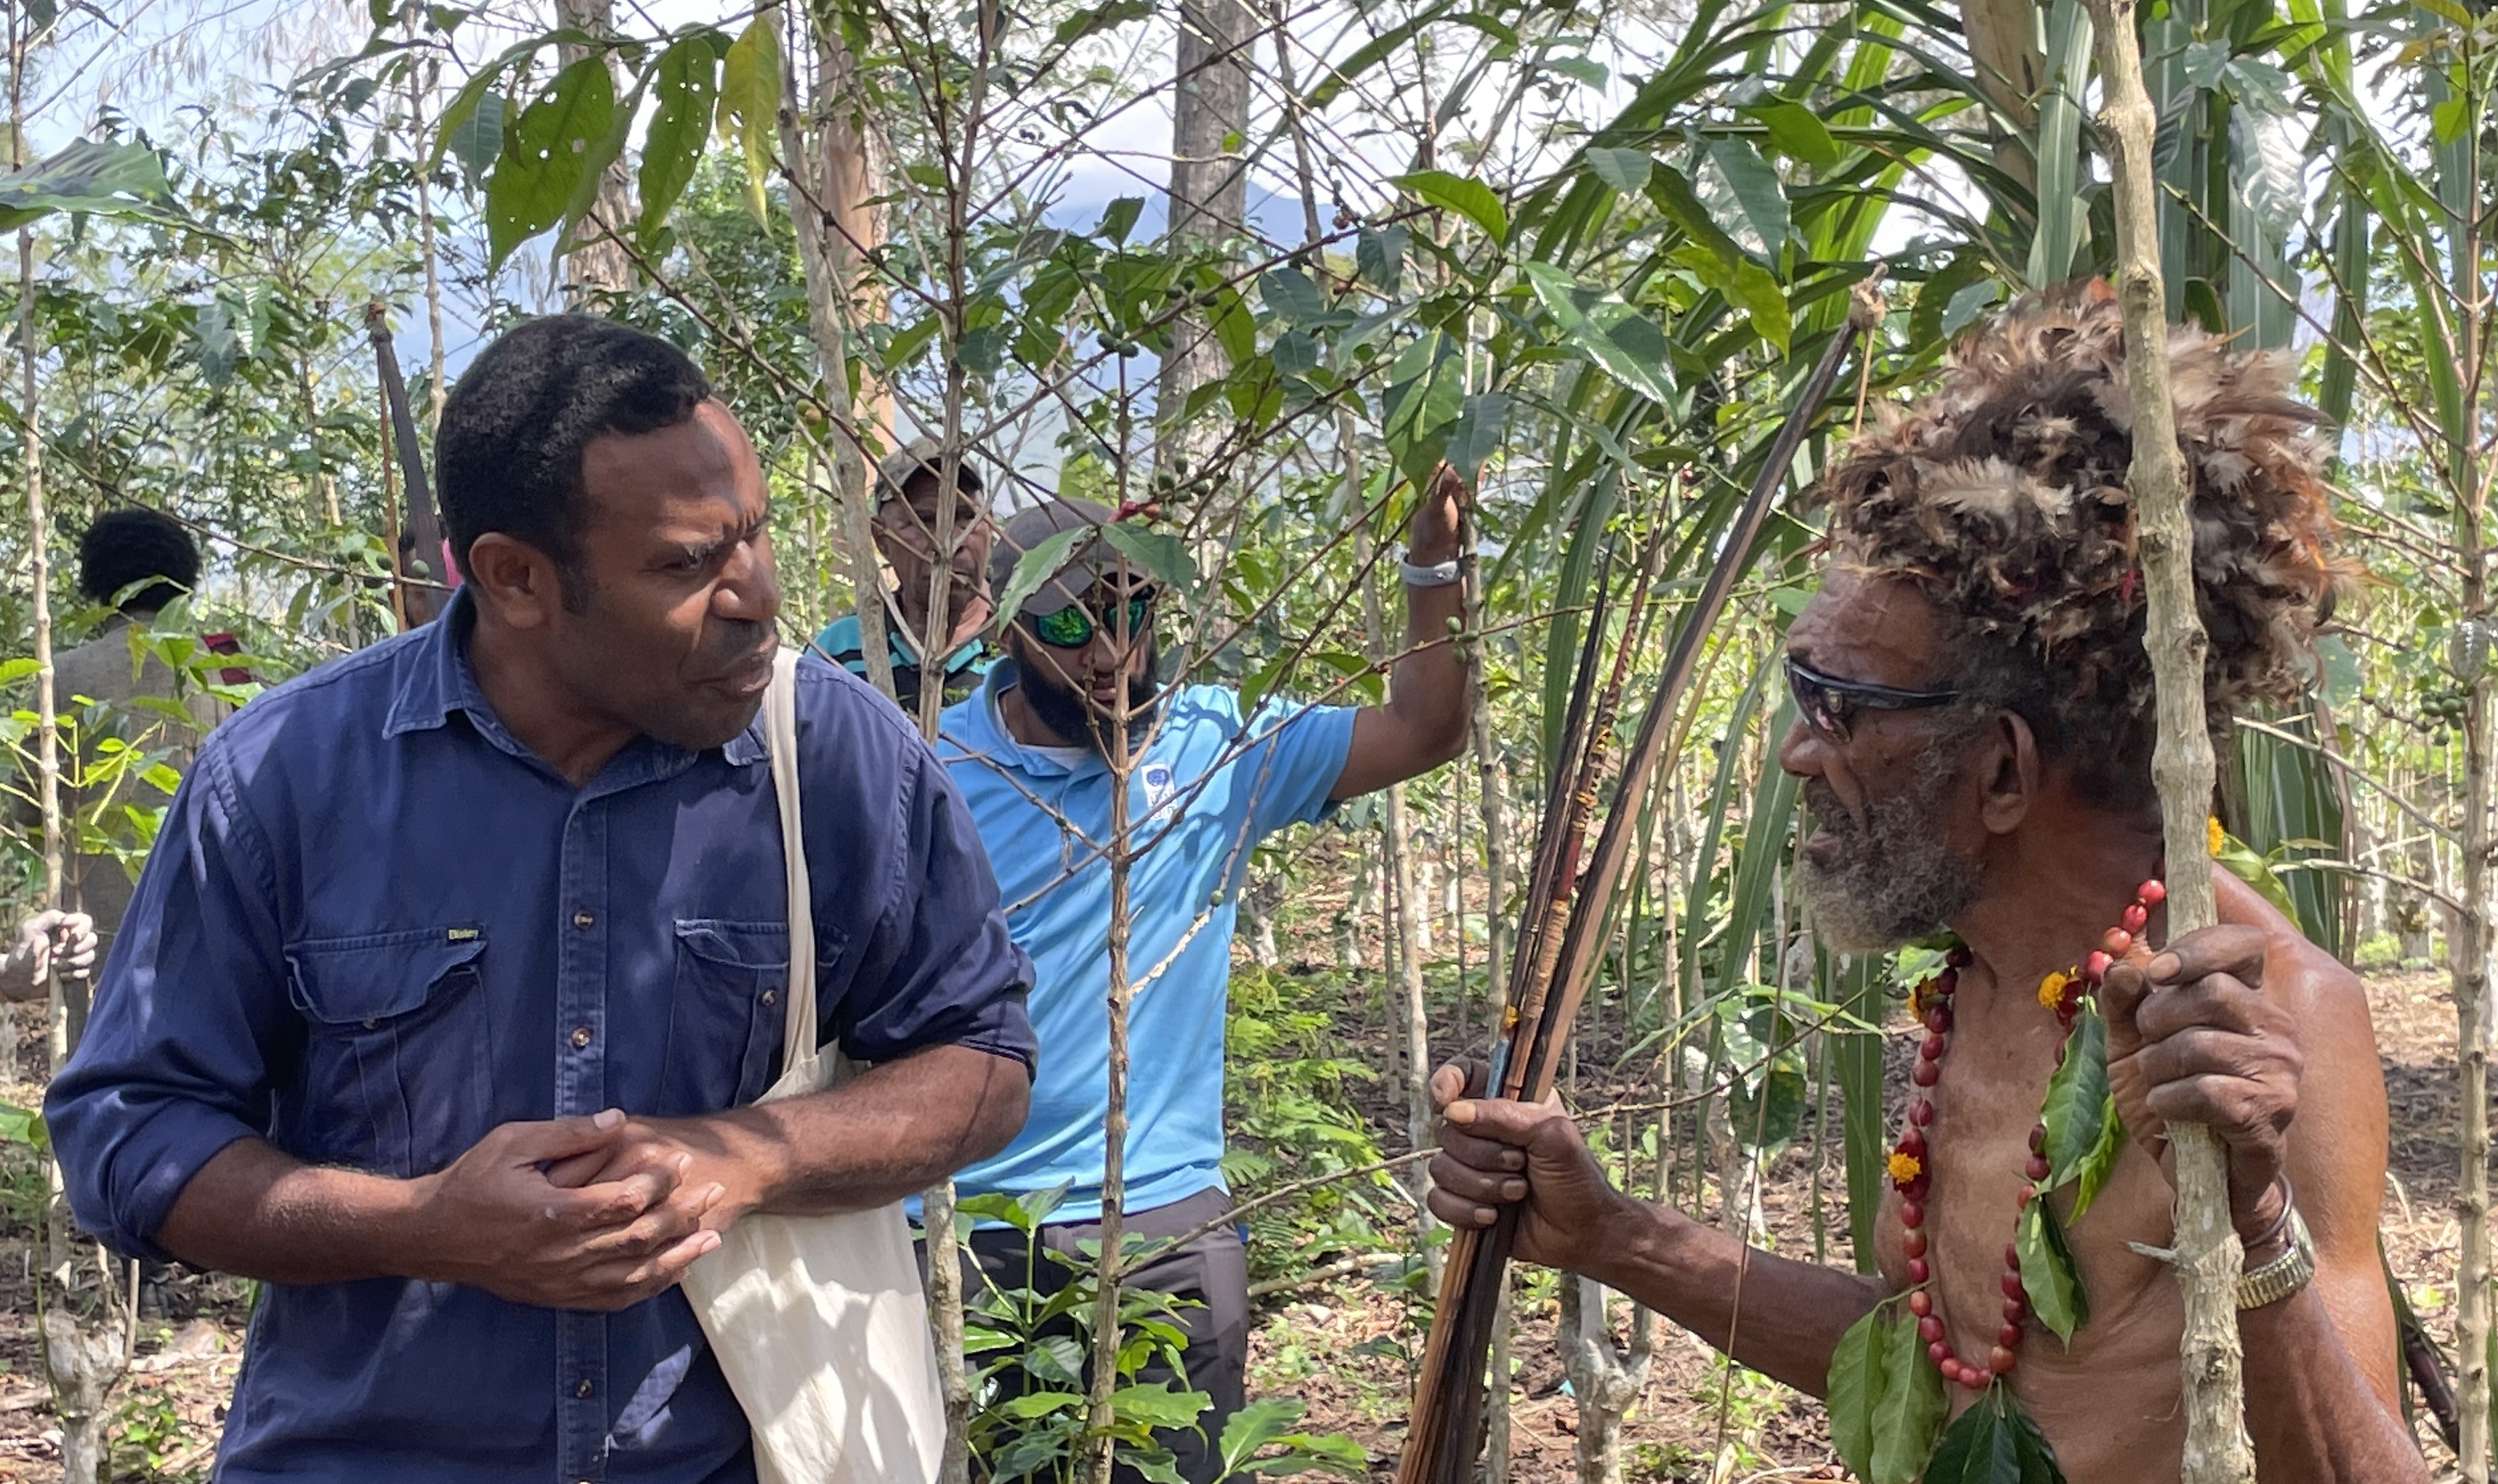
(1092, 559)
(895, 469)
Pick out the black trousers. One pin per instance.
(1211, 1273)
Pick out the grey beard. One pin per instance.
(1895, 878)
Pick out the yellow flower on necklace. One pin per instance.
(1904, 1167)
(2214, 833)
(2051, 990)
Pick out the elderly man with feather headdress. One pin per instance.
(1974, 737)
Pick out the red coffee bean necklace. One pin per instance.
(1932, 1000)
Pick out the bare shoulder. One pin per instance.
(2305, 980)
(2337, 1143)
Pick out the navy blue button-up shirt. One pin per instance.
(374, 925)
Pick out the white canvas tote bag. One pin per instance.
(819, 1322)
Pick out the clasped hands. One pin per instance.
(593, 1213)
(2192, 1038)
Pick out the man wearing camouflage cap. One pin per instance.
(910, 491)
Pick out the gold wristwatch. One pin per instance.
(2284, 1274)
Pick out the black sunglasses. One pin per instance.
(1074, 626)
(1828, 702)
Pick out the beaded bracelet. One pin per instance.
(2281, 1223)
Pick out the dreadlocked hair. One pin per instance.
(2002, 495)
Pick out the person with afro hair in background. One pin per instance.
(136, 562)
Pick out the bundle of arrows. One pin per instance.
(1570, 890)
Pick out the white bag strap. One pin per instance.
(780, 734)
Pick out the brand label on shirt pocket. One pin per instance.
(397, 1074)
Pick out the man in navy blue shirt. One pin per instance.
(457, 965)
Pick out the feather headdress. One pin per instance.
(2003, 494)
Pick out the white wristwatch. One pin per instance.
(1436, 574)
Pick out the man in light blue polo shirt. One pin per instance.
(1030, 752)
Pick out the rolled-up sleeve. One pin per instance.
(173, 1065)
(937, 967)
(1294, 757)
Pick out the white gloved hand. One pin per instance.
(50, 942)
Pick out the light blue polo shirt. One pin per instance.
(1206, 790)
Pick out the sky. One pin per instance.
(156, 59)
(159, 57)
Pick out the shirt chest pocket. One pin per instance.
(397, 1049)
(727, 1015)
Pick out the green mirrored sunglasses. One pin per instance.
(1074, 626)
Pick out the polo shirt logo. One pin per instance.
(1157, 778)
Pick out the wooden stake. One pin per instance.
(2206, 1252)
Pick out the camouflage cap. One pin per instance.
(894, 471)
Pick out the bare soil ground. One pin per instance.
(1347, 1348)
(1344, 1351)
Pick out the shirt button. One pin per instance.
(580, 1037)
(582, 1389)
(582, 919)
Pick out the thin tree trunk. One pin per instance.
(816, 210)
(2474, 937)
(1399, 858)
(2468, 475)
(430, 251)
(1403, 906)
(322, 480)
(2468, 958)
(2206, 1253)
(1604, 1380)
(1209, 184)
(84, 1362)
(846, 171)
(598, 262)
(1492, 799)
(850, 161)
(1348, 936)
(1425, 876)
(47, 733)
(81, 1359)
(1260, 897)
(1102, 1375)
(937, 1202)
